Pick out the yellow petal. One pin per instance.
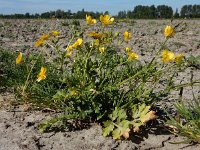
(55, 33)
(169, 31)
(112, 19)
(167, 56)
(101, 50)
(69, 48)
(44, 37)
(42, 74)
(132, 55)
(90, 20)
(19, 58)
(127, 35)
(39, 43)
(128, 49)
(106, 20)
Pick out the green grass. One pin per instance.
(188, 124)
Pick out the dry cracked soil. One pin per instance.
(19, 128)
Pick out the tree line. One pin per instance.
(60, 14)
(161, 11)
(139, 12)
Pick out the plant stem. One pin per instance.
(26, 82)
(161, 47)
(187, 84)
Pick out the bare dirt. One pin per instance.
(19, 128)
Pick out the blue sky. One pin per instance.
(113, 6)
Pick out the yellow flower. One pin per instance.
(128, 49)
(78, 43)
(44, 37)
(169, 31)
(127, 36)
(106, 20)
(90, 20)
(101, 50)
(39, 43)
(132, 55)
(69, 48)
(94, 43)
(179, 58)
(95, 35)
(42, 74)
(55, 33)
(19, 58)
(167, 56)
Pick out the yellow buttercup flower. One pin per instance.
(39, 43)
(179, 58)
(95, 35)
(132, 55)
(101, 50)
(78, 43)
(69, 48)
(127, 36)
(128, 49)
(55, 33)
(167, 56)
(44, 37)
(42, 74)
(169, 31)
(106, 20)
(19, 58)
(90, 20)
(94, 43)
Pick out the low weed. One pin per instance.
(188, 124)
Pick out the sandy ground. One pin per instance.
(19, 129)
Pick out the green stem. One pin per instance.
(108, 73)
(161, 47)
(187, 84)
(27, 79)
(130, 78)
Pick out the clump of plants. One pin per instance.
(188, 123)
(98, 79)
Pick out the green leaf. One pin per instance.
(116, 134)
(114, 114)
(61, 94)
(144, 110)
(125, 124)
(109, 128)
(121, 115)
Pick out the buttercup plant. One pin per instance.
(95, 81)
